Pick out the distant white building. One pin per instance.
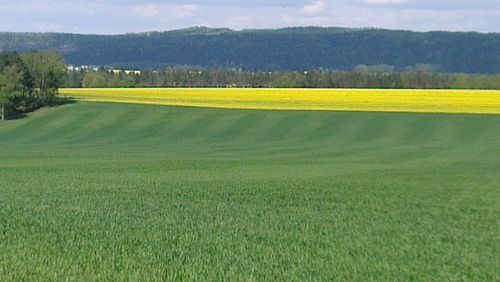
(91, 68)
(85, 68)
(137, 72)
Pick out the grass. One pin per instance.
(421, 101)
(133, 192)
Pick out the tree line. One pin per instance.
(289, 49)
(29, 81)
(361, 78)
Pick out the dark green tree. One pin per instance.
(11, 87)
(48, 72)
(29, 82)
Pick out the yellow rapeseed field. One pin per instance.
(424, 101)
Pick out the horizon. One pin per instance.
(114, 17)
(250, 29)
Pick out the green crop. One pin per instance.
(131, 192)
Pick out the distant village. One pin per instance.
(91, 68)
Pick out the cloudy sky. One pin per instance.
(122, 16)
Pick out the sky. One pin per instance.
(126, 16)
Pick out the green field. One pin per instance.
(131, 192)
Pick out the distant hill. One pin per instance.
(305, 48)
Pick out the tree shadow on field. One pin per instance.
(15, 116)
(60, 101)
(24, 113)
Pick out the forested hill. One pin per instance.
(300, 49)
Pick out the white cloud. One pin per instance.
(43, 26)
(317, 8)
(162, 13)
(121, 16)
(147, 11)
(386, 2)
(187, 11)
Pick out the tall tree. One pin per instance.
(10, 88)
(4, 95)
(19, 90)
(48, 72)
